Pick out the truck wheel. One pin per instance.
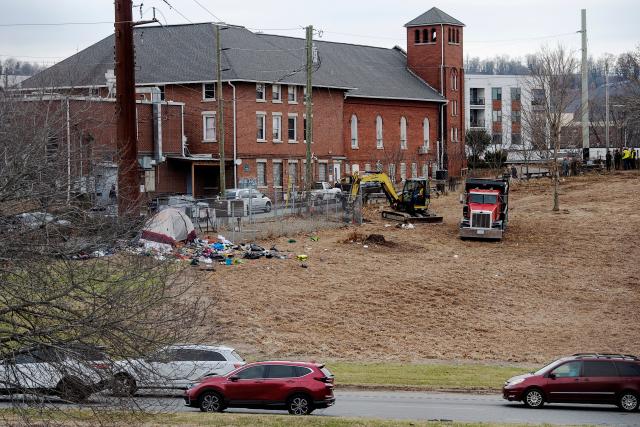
(72, 390)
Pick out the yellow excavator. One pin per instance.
(412, 205)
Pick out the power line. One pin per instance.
(59, 24)
(208, 11)
(177, 11)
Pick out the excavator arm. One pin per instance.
(382, 179)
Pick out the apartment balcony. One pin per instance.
(477, 102)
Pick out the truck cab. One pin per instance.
(485, 210)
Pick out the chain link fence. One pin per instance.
(255, 216)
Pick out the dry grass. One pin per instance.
(558, 283)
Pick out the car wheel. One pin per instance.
(210, 401)
(300, 404)
(72, 390)
(123, 386)
(267, 207)
(628, 401)
(533, 398)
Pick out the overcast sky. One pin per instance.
(493, 27)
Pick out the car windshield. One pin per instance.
(548, 367)
(231, 194)
(317, 186)
(237, 356)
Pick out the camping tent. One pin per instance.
(169, 226)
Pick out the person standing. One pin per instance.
(617, 157)
(608, 161)
(565, 167)
(625, 158)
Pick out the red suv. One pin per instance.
(581, 378)
(298, 387)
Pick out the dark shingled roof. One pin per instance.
(186, 53)
(433, 16)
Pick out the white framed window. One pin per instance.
(354, 131)
(403, 133)
(454, 108)
(392, 172)
(322, 171)
(425, 170)
(261, 121)
(452, 135)
(414, 170)
(425, 133)
(260, 92)
(208, 91)
(293, 173)
(292, 94)
(277, 127)
(367, 167)
(277, 173)
(379, 141)
(355, 168)
(209, 126)
(276, 93)
(261, 170)
(292, 128)
(403, 171)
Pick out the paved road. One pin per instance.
(431, 406)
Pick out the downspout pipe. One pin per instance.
(235, 139)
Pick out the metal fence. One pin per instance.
(280, 214)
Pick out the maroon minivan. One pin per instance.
(581, 378)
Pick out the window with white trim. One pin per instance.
(354, 131)
(392, 172)
(209, 127)
(276, 93)
(292, 94)
(403, 171)
(403, 133)
(261, 170)
(414, 170)
(292, 124)
(260, 92)
(425, 133)
(367, 167)
(208, 91)
(379, 141)
(277, 127)
(425, 170)
(293, 174)
(261, 120)
(277, 174)
(322, 171)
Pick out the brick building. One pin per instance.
(374, 108)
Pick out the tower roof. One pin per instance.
(434, 16)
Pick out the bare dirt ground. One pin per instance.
(558, 283)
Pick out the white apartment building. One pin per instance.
(495, 103)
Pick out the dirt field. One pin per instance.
(558, 283)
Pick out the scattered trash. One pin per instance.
(366, 246)
(304, 265)
(314, 238)
(292, 241)
(302, 257)
(387, 225)
(456, 256)
(407, 226)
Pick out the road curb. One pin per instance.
(384, 387)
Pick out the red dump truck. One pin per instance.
(485, 209)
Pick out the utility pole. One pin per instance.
(606, 104)
(585, 90)
(128, 179)
(309, 105)
(220, 113)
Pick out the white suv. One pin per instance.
(173, 367)
(72, 372)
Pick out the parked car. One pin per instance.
(297, 387)
(581, 378)
(72, 372)
(173, 367)
(324, 191)
(254, 200)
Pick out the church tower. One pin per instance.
(434, 53)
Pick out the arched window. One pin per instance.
(379, 141)
(425, 133)
(425, 36)
(354, 131)
(403, 133)
(434, 35)
(417, 36)
(454, 79)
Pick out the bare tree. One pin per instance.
(477, 141)
(551, 81)
(60, 294)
